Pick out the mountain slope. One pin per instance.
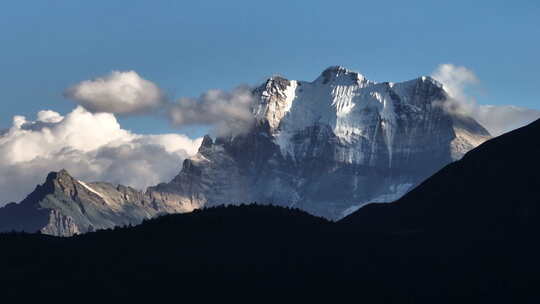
(330, 145)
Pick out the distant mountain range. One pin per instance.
(65, 206)
(327, 147)
(466, 234)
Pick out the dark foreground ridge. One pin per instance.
(467, 234)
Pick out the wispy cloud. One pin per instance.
(228, 113)
(496, 119)
(119, 92)
(125, 93)
(501, 119)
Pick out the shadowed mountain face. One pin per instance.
(467, 233)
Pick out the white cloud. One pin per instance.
(496, 119)
(91, 146)
(501, 119)
(455, 80)
(228, 113)
(49, 116)
(119, 92)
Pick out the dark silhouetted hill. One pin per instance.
(495, 188)
(468, 234)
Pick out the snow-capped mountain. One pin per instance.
(328, 147)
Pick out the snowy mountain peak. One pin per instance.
(343, 100)
(275, 85)
(340, 76)
(333, 144)
(429, 79)
(275, 99)
(353, 107)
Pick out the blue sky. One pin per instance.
(187, 47)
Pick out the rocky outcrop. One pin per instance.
(60, 225)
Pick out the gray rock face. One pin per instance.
(329, 146)
(65, 206)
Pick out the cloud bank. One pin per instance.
(119, 92)
(229, 113)
(496, 119)
(91, 146)
(125, 93)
